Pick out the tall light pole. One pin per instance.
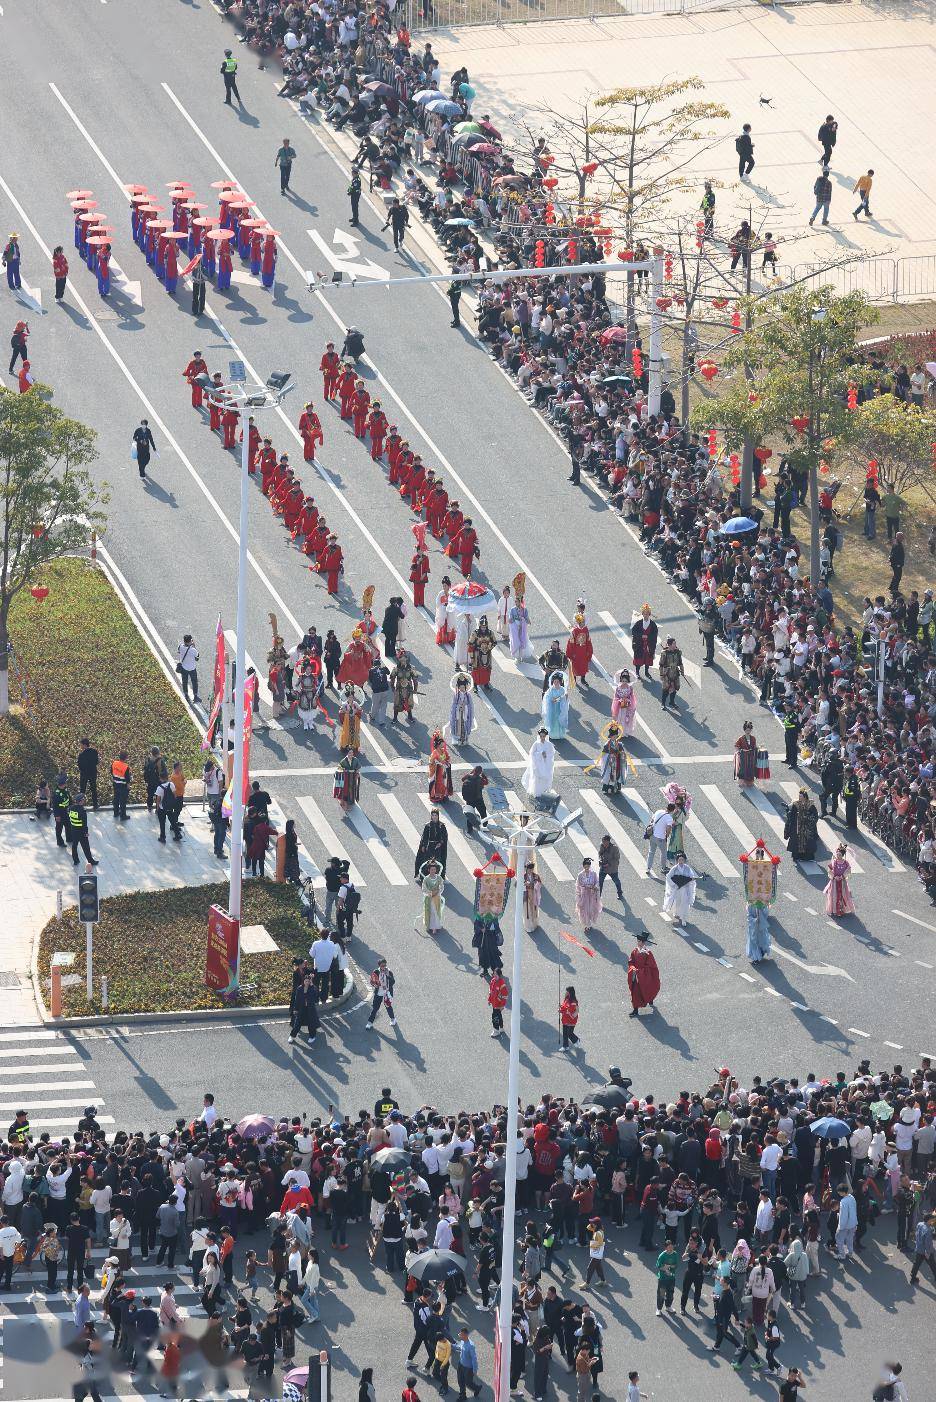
(524, 831)
(250, 401)
(816, 347)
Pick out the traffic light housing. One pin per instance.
(88, 905)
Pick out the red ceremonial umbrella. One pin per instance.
(77, 194)
(178, 185)
(270, 233)
(152, 208)
(135, 189)
(90, 218)
(140, 199)
(206, 221)
(224, 184)
(253, 224)
(84, 204)
(98, 240)
(193, 204)
(221, 234)
(171, 233)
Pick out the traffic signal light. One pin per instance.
(88, 907)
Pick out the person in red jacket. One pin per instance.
(419, 574)
(464, 547)
(307, 519)
(436, 508)
(400, 464)
(292, 509)
(59, 272)
(267, 466)
(24, 378)
(360, 404)
(253, 444)
(413, 484)
(281, 494)
(331, 564)
(643, 976)
(315, 542)
(294, 1197)
(498, 994)
(229, 421)
(215, 402)
(278, 476)
(425, 491)
(393, 446)
(310, 426)
(195, 367)
(377, 428)
(347, 383)
(568, 1017)
(453, 521)
(330, 366)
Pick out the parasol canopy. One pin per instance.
(471, 597)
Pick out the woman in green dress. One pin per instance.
(433, 889)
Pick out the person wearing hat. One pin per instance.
(643, 976)
(61, 802)
(11, 261)
(229, 74)
(538, 775)
(596, 1251)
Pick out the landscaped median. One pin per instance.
(85, 670)
(150, 945)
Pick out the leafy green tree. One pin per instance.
(793, 362)
(899, 437)
(50, 503)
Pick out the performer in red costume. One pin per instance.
(436, 509)
(393, 445)
(464, 547)
(377, 428)
(195, 367)
(229, 421)
(310, 426)
(253, 444)
(453, 521)
(347, 384)
(643, 976)
(578, 649)
(267, 466)
(293, 509)
(330, 366)
(360, 404)
(316, 540)
(308, 518)
(331, 564)
(419, 565)
(215, 402)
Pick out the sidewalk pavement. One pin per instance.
(33, 870)
(866, 62)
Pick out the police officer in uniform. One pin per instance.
(833, 774)
(851, 793)
(791, 733)
(120, 777)
(354, 195)
(229, 74)
(454, 296)
(78, 830)
(61, 802)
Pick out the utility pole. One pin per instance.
(747, 449)
(815, 440)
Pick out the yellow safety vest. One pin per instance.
(229, 65)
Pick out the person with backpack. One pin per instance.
(166, 810)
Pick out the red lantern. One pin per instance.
(800, 422)
(719, 303)
(539, 256)
(664, 303)
(581, 221)
(712, 442)
(668, 267)
(607, 248)
(589, 168)
(736, 323)
(852, 397)
(549, 214)
(38, 532)
(572, 251)
(546, 161)
(872, 473)
(708, 369)
(763, 454)
(39, 591)
(700, 234)
(602, 232)
(753, 397)
(637, 361)
(626, 255)
(735, 469)
(550, 184)
(824, 468)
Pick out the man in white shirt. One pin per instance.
(322, 954)
(396, 1131)
(660, 824)
(57, 1178)
(209, 1114)
(444, 1236)
(769, 1161)
(9, 1240)
(12, 1196)
(764, 1218)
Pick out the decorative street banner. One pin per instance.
(227, 806)
(760, 875)
(492, 887)
(218, 691)
(221, 952)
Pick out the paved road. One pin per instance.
(819, 1005)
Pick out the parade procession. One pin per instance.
(467, 702)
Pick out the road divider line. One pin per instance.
(914, 921)
(327, 836)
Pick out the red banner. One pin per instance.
(221, 952)
(572, 940)
(218, 693)
(250, 686)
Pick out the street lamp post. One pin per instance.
(248, 401)
(817, 317)
(524, 831)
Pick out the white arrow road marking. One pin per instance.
(133, 291)
(831, 969)
(30, 296)
(349, 261)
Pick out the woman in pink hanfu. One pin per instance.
(838, 896)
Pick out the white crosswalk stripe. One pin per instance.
(57, 1104)
(723, 823)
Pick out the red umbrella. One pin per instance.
(224, 184)
(221, 234)
(193, 204)
(175, 234)
(77, 194)
(483, 148)
(206, 221)
(98, 240)
(253, 223)
(140, 199)
(84, 204)
(178, 185)
(613, 334)
(90, 218)
(491, 130)
(135, 189)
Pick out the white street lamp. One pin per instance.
(524, 832)
(250, 401)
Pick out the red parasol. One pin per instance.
(174, 234)
(253, 223)
(206, 221)
(224, 185)
(178, 184)
(270, 233)
(98, 240)
(135, 189)
(140, 199)
(221, 234)
(77, 194)
(84, 204)
(90, 218)
(193, 204)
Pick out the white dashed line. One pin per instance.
(931, 1055)
(914, 921)
(748, 978)
(809, 910)
(791, 897)
(894, 953)
(800, 1007)
(704, 947)
(825, 1018)
(894, 1045)
(832, 925)
(650, 900)
(774, 992)
(726, 963)
(921, 964)
(857, 1031)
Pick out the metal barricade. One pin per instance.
(916, 276)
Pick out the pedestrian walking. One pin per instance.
(609, 859)
(596, 1251)
(143, 445)
(822, 189)
(568, 1018)
(78, 830)
(666, 1267)
(303, 1010)
(707, 208)
(827, 136)
(923, 1247)
(59, 271)
(284, 159)
(199, 283)
(354, 195)
(382, 982)
(656, 834)
(87, 762)
(186, 666)
(898, 557)
(498, 995)
(454, 296)
(11, 261)
(862, 189)
(745, 149)
(398, 219)
(18, 343)
(229, 74)
(740, 246)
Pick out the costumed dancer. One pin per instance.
(518, 629)
(552, 660)
(538, 775)
(838, 896)
(347, 384)
(350, 710)
(196, 366)
(332, 564)
(671, 672)
(230, 417)
(308, 693)
(461, 638)
(405, 686)
(347, 786)
(356, 661)
(433, 844)
(215, 402)
(419, 566)
(172, 266)
(624, 702)
(680, 890)
(503, 612)
(643, 976)
(587, 896)
(436, 510)
(225, 265)
(579, 649)
(611, 763)
(801, 828)
(461, 721)
(681, 799)
(464, 547)
(360, 405)
(498, 998)
(487, 940)
(555, 707)
(253, 444)
(481, 646)
(644, 640)
(440, 769)
(532, 897)
(377, 428)
(432, 881)
(760, 891)
(445, 634)
(745, 762)
(330, 366)
(103, 269)
(256, 252)
(268, 263)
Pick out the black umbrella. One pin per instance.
(391, 1161)
(610, 1097)
(435, 1265)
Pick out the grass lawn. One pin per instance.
(151, 947)
(86, 671)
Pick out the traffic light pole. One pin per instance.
(89, 953)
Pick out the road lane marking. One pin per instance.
(895, 1046)
(827, 833)
(327, 836)
(397, 813)
(832, 970)
(613, 828)
(725, 811)
(350, 262)
(921, 964)
(376, 846)
(748, 978)
(549, 855)
(762, 803)
(857, 1031)
(914, 921)
(469, 859)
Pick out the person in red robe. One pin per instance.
(253, 444)
(360, 404)
(464, 547)
(643, 976)
(331, 564)
(310, 426)
(195, 367)
(400, 464)
(579, 649)
(356, 659)
(281, 494)
(425, 491)
(293, 509)
(267, 466)
(229, 421)
(414, 483)
(436, 508)
(392, 447)
(644, 634)
(316, 540)
(215, 401)
(330, 366)
(419, 574)
(453, 521)
(25, 379)
(308, 518)
(377, 428)
(347, 383)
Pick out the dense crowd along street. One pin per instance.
(543, 701)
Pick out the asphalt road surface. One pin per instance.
(132, 94)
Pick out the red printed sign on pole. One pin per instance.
(221, 952)
(218, 692)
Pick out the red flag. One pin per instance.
(573, 940)
(189, 266)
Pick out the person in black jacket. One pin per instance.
(898, 556)
(827, 135)
(745, 149)
(303, 1009)
(144, 442)
(61, 802)
(87, 770)
(833, 776)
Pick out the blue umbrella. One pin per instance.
(738, 525)
(830, 1128)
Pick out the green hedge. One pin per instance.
(87, 671)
